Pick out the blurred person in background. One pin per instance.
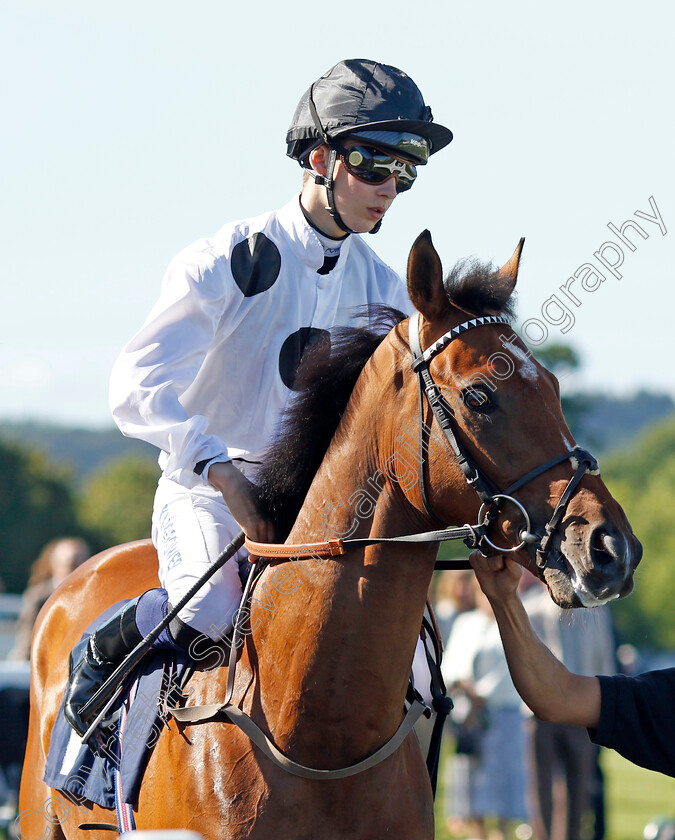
(488, 776)
(562, 755)
(57, 560)
(455, 594)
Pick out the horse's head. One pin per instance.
(502, 408)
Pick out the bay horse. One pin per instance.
(325, 668)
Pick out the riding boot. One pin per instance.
(94, 659)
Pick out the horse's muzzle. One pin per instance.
(590, 569)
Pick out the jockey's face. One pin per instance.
(361, 205)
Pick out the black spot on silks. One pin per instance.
(295, 346)
(255, 264)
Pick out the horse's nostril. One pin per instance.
(603, 549)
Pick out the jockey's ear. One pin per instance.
(318, 159)
(425, 279)
(509, 271)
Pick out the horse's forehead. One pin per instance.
(523, 360)
(498, 355)
(477, 345)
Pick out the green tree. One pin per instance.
(116, 502)
(560, 359)
(643, 480)
(36, 505)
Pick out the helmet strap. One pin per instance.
(327, 179)
(328, 184)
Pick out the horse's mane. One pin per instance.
(325, 381)
(323, 385)
(479, 288)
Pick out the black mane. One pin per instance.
(325, 382)
(323, 386)
(478, 288)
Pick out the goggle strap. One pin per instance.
(328, 183)
(327, 179)
(315, 118)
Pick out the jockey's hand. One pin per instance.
(498, 575)
(240, 497)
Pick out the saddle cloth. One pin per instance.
(76, 770)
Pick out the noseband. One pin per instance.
(492, 498)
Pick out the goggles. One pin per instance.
(374, 167)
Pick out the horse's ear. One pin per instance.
(509, 271)
(425, 278)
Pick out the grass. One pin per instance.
(633, 797)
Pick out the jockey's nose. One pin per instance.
(387, 189)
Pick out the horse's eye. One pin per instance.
(474, 398)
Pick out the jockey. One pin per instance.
(206, 377)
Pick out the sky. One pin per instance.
(131, 129)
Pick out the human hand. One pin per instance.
(497, 575)
(240, 497)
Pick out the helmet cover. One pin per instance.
(360, 95)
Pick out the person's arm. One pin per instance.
(158, 365)
(240, 497)
(545, 684)
(161, 362)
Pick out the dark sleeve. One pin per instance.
(637, 718)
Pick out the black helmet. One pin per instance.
(358, 95)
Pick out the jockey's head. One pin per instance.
(360, 132)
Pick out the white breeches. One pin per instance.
(190, 528)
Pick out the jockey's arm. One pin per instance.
(240, 497)
(551, 691)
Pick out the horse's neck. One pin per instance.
(341, 637)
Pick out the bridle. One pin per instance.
(492, 498)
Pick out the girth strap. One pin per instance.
(200, 714)
(269, 748)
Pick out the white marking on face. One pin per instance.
(529, 370)
(527, 366)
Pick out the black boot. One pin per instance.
(94, 659)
